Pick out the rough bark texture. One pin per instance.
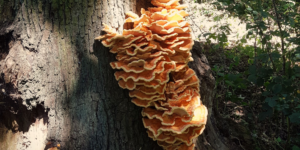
(56, 82)
(210, 139)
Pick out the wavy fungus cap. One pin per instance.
(152, 59)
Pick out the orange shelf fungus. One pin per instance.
(152, 62)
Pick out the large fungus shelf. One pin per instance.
(152, 60)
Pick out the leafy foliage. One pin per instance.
(272, 68)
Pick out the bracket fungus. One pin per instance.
(152, 62)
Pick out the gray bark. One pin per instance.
(56, 82)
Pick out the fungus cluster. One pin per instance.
(152, 62)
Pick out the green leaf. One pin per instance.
(217, 46)
(229, 83)
(217, 18)
(264, 57)
(260, 82)
(264, 14)
(271, 101)
(220, 74)
(250, 61)
(232, 77)
(206, 34)
(278, 139)
(252, 78)
(295, 147)
(277, 88)
(243, 40)
(262, 25)
(252, 69)
(248, 26)
(275, 55)
(250, 32)
(245, 104)
(295, 118)
(297, 56)
(292, 21)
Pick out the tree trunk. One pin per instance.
(57, 86)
